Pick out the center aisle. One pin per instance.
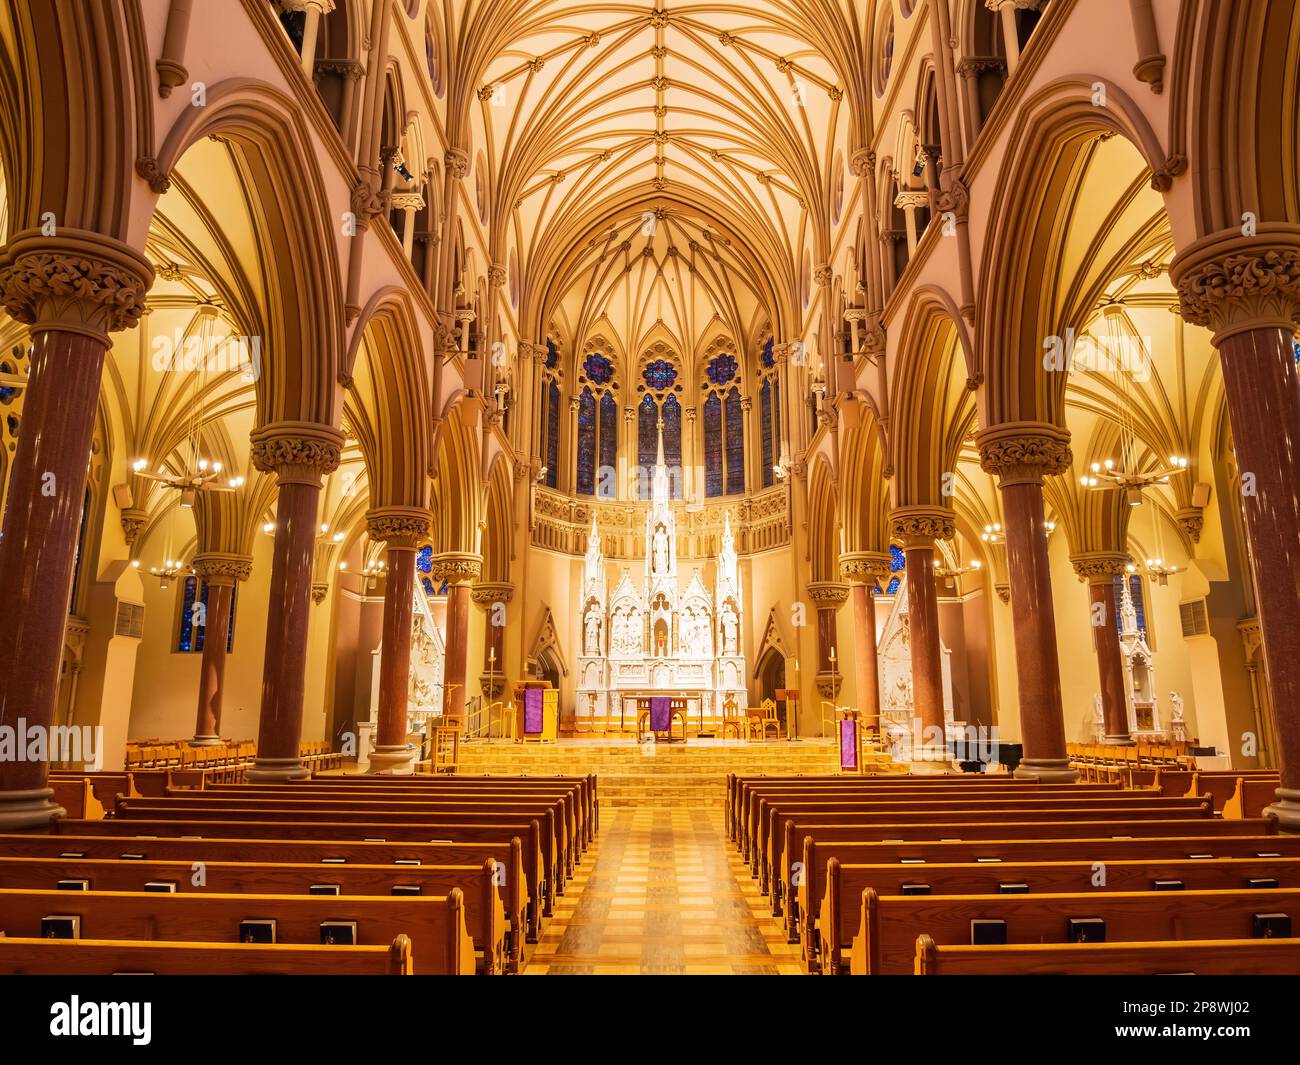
(662, 891)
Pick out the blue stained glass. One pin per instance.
(721, 369)
(897, 560)
(188, 591)
(552, 354)
(893, 586)
(765, 431)
(735, 433)
(647, 417)
(599, 370)
(768, 357)
(660, 374)
(424, 559)
(1139, 602)
(672, 415)
(713, 446)
(552, 434)
(427, 584)
(586, 443)
(606, 482)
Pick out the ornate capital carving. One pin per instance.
(319, 590)
(78, 282)
(486, 593)
(218, 568)
(408, 201)
(496, 275)
(133, 520)
(824, 274)
(1024, 452)
(1099, 567)
(402, 528)
(456, 567)
(297, 452)
(863, 162)
(827, 594)
(955, 198)
(921, 526)
(1233, 283)
(1192, 520)
(864, 567)
(456, 161)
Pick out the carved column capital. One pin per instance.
(496, 275)
(319, 590)
(456, 160)
(78, 282)
(133, 520)
(1233, 283)
(402, 528)
(1024, 452)
(297, 452)
(1192, 521)
(218, 568)
(827, 594)
(863, 162)
(487, 593)
(1099, 567)
(922, 526)
(456, 567)
(864, 567)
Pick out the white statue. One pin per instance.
(1176, 701)
(593, 631)
(730, 630)
(1098, 709)
(661, 551)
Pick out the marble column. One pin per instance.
(493, 597)
(403, 529)
(459, 570)
(919, 528)
(1100, 571)
(300, 454)
(1247, 290)
(72, 291)
(220, 573)
(862, 569)
(1021, 454)
(828, 597)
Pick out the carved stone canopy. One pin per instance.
(1233, 283)
(1024, 452)
(297, 452)
(921, 526)
(402, 528)
(218, 568)
(456, 568)
(827, 594)
(1100, 567)
(77, 282)
(864, 567)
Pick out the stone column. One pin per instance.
(828, 597)
(862, 569)
(300, 454)
(221, 573)
(459, 571)
(1100, 571)
(410, 204)
(1247, 289)
(919, 527)
(493, 596)
(403, 529)
(72, 291)
(1021, 454)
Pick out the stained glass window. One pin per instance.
(427, 584)
(713, 445)
(672, 415)
(552, 354)
(647, 417)
(765, 431)
(606, 479)
(599, 370)
(897, 563)
(721, 369)
(768, 357)
(1139, 600)
(660, 374)
(586, 443)
(552, 423)
(193, 625)
(735, 438)
(424, 559)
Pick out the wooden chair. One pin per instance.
(731, 719)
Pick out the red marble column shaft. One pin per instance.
(1042, 719)
(457, 653)
(284, 670)
(923, 626)
(1110, 662)
(864, 650)
(395, 659)
(1263, 393)
(38, 552)
(212, 672)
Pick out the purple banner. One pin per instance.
(661, 713)
(848, 744)
(533, 711)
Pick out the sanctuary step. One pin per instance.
(693, 773)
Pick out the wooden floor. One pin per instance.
(662, 892)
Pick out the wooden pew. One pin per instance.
(77, 796)
(484, 913)
(1214, 957)
(99, 957)
(106, 785)
(889, 924)
(1251, 796)
(435, 925)
(997, 855)
(340, 837)
(770, 853)
(835, 927)
(1219, 786)
(358, 868)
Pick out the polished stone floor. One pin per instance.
(662, 891)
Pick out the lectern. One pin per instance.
(537, 712)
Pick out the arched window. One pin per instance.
(660, 388)
(897, 563)
(550, 422)
(597, 428)
(769, 412)
(193, 622)
(724, 429)
(1139, 602)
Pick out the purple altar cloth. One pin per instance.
(848, 744)
(533, 711)
(661, 713)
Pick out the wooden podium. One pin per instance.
(537, 712)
